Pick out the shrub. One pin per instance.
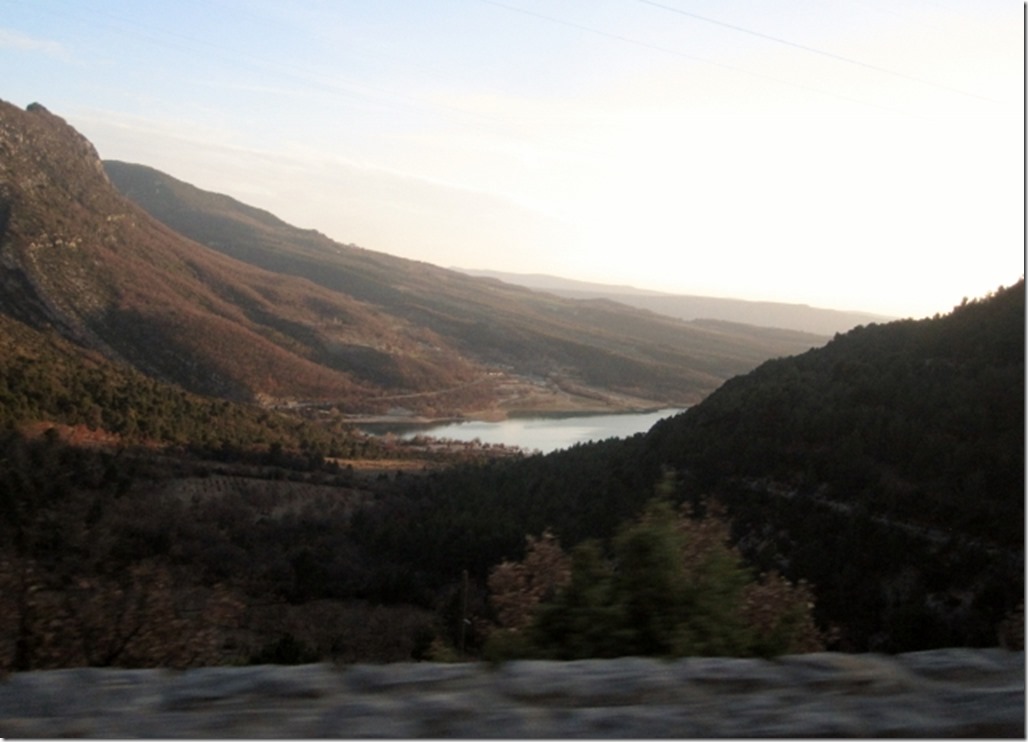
(672, 586)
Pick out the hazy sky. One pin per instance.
(858, 155)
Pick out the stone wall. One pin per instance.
(939, 693)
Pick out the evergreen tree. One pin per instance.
(671, 587)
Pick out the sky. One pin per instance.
(862, 155)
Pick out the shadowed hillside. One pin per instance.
(886, 468)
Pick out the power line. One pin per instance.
(812, 50)
(684, 55)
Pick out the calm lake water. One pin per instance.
(545, 433)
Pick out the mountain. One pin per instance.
(77, 256)
(760, 313)
(595, 353)
(265, 311)
(885, 468)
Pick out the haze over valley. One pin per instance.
(763, 314)
(847, 158)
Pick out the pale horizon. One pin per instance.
(861, 156)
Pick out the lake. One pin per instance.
(544, 434)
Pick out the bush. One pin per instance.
(671, 587)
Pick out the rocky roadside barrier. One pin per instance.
(938, 693)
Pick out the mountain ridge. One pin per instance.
(87, 260)
(581, 344)
(228, 300)
(688, 307)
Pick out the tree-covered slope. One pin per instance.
(915, 420)
(46, 380)
(886, 468)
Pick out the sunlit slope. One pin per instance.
(78, 256)
(598, 343)
(227, 300)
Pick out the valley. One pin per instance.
(521, 350)
(183, 481)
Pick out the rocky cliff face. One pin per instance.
(49, 206)
(76, 255)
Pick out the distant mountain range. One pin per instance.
(198, 289)
(686, 307)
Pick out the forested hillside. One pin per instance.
(887, 469)
(46, 380)
(922, 421)
(884, 470)
(148, 516)
(144, 524)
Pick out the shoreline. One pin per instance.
(497, 416)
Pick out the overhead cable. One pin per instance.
(685, 55)
(812, 50)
